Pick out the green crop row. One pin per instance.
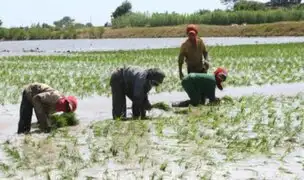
(196, 142)
(85, 74)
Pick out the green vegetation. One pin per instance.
(219, 136)
(243, 12)
(264, 30)
(161, 105)
(84, 74)
(65, 28)
(64, 119)
(37, 32)
(249, 12)
(218, 17)
(123, 9)
(193, 142)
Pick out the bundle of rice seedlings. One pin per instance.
(64, 119)
(227, 99)
(162, 106)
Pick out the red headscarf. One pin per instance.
(61, 103)
(220, 72)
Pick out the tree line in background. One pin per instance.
(65, 28)
(238, 12)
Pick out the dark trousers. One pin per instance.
(203, 98)
(26, 112)
(119, 102)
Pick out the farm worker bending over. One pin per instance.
(201, 85)
(135, 83)
(192, 52)
(45, 100)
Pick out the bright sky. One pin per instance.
(27, 12)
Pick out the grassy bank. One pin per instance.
(84, 74)
(267, 29)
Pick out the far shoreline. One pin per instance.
(277, 29)
(290, 28)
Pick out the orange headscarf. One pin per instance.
(191, 28)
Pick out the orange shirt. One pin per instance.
(191, 54)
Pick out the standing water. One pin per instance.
(53, 46)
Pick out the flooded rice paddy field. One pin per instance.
(257, 137)
(86, 74)
(256, 133)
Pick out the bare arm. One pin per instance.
(204, 50)
(181, 57)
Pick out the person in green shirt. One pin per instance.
(200, 86)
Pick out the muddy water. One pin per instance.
(99, 107)
(51, 46)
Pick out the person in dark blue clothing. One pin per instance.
(134, 83)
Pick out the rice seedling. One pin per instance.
(237, 129)
(90, 72)
(64, 119)
(162, 106)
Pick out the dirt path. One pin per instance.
(99, 108)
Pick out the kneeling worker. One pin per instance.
(198, 86)
(135, 83)
(45, 101)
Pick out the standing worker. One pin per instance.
(135, 83)
(45, 100)
(192, 52)
(198, 86)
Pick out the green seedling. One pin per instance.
(247, 65)
(163, 166)
(162, 106)
(239, 128)
(64, 119)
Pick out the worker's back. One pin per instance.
(204, 83)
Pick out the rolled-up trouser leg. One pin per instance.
(119, 107)
(193, 94)
(26, 112)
